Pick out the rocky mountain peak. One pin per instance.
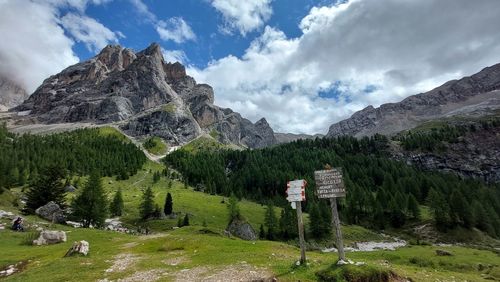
(473, 95)
(149, 96)
(11, 93)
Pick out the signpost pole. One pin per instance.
(336, 224)
(301, 233)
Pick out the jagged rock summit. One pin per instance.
(476, 95)
(143, 94)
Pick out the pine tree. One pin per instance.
(116, 206)
(233, 209)
(440, 209)
(90, 206)
(168, 208)
(147, 206)
(288, 223)
(185, 222)
(413, 208)
(47, 187)
(179, 222)
(379, 218)
(262, 233)
(271, 222)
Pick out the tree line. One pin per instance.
(381, 192)
(78, 152)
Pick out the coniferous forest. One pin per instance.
(381, 192)
(79, 152)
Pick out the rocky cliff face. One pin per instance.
(476, 154)
(147, 95)
(474, 95)
(11, 94)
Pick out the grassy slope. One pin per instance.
(159, 147)
(199, 247)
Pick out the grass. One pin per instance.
(156, 146)
(169, 108)
(205, 143)
(362, 273)
(111, 131)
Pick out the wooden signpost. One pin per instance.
(329, 185)
(295, 195)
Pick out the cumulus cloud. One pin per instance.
(92, 33)
(175, 29)
(353, 55)
(243, 16)
(173, 56)
(33, 46)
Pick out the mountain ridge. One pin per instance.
(472, 95)
(145, 95)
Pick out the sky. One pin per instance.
(301, 64)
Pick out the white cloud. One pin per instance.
(92, 33)
(175, 29)
(244, 16)
(32, 46)
(396, 48)
(173, 56)
(143, 10)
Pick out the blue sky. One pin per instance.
(204, 20)
(302, 65)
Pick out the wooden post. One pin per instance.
(301, 233)
(338, 232)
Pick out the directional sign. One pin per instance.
(329, 183)
(296, 190)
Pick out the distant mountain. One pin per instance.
(11, 94)
(473, 96)
(145, 95)
(290, 137)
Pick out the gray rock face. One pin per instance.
(11, 94)
(51, 212)
(242, 229)
(474, 95)
(475, 155)
(149, 96)
(50, 237)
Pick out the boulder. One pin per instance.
(52, 212)
(443, 253)
(81, 247)
(242, 229)
(48, 237)
(70, 188)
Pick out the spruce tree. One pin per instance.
(168, 208)
(262, 232)
(288, 223)
(179, 222)
(271, 221)
(413, 208)
(47, 187)
(147, 206)
(185, 222)
(440, 209)
(90, 206)
(116, 205)
(233, 209)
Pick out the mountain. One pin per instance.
(145, 95)
(476, 95)
(11, 94)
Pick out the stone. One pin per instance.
(81, 247)
(51, 212)
(48, 237)
(70, 188)
(242, 229)
(440, 252)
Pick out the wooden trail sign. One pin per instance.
(295, 195)
(330, 185)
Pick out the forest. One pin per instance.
(79, 152)
(380, 192)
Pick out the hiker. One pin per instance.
(18, 224)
